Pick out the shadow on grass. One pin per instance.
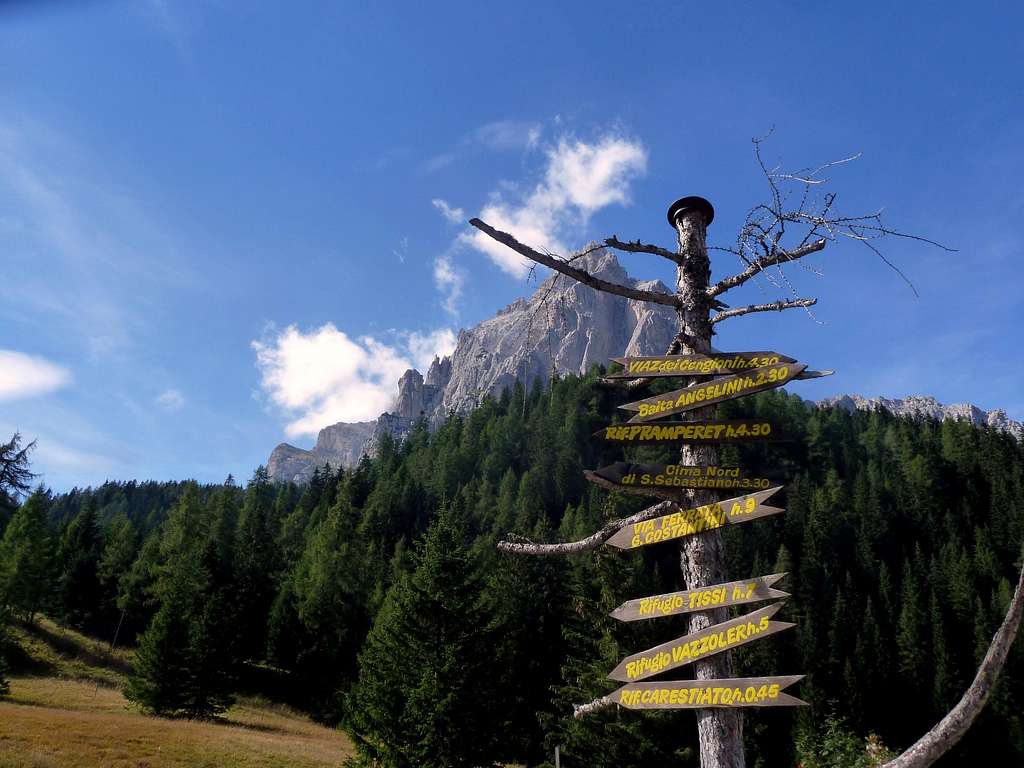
(66, 646)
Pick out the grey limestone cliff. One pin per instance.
(924, 407)
(562, 328)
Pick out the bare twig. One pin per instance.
(523, 546)
(563, 266)
(637, 247)
(954, 725)
(775, 306)
(763, 263)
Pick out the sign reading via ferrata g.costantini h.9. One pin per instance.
(687, 522)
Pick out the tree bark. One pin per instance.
(702, 557)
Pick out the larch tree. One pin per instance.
(800, 217)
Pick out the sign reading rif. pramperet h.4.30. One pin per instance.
(687, 522)
(714, 391)
(699, 645)
(740, 430)
(672, 480)
(701, 599)
(709, 694)
(694, 365)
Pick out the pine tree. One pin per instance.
(78, 557)
(256, 565)
(424, 694)
(25, 558)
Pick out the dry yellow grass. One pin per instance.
(47, 722)
(72, 715)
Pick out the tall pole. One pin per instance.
(702, 557)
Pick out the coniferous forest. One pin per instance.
(375, 598)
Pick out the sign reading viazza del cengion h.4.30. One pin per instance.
(735, 374)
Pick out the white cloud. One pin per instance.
(454, 215)
(424, 347)
(449, 280)
(324, 376)
(23, 375)
(170, 400)
(505, 135)
(580, 178)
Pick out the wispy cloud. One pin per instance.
(449, 280)
(452, 214)
(23, 376)
(323, 376)
(496, 136)
(580, 178)
(170, 400)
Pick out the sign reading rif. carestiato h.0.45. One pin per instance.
(689, 432)
(701, 598)
(694, 365)
(673, 479)
(699, 645)
(687, 522)
(709, 694)
(714, 391)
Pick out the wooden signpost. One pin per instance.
(671, 481)
(698, 645)
(687, 522)
(701, 599)
(694, 365)
(703, 694)
(665, 432)
(714, 391)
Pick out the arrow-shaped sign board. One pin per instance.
(709, 694)
(739, 430)
(714, 391)
(694, 365)
(671, 480)
(699, 645)
(701, 599)
(687, 522)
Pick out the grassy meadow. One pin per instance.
(65, 710)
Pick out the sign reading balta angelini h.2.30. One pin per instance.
(714, 391)
(699, 645)
(707, 694)
(689, 432)
(647, 479)
(694, 365)
(687, 522)
(701, 599)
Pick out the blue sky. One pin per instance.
(215, 215)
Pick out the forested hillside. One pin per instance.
(376, 598)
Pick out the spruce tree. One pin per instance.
(78, 557)
(25, 558)
(424, 697)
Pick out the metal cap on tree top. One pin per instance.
(692, 203)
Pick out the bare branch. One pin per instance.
(758, 265)
(775, 306)
(523, 546)
(952, 727)
(638, 247)
(563, 266)
(579, 710)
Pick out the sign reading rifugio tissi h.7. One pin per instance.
(694, 365)
(709, 694)
(687, 522)
(714, 391)
(701, 599)
(740, 430)
(699, 645)
(645, 478)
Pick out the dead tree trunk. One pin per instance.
(702, 557)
